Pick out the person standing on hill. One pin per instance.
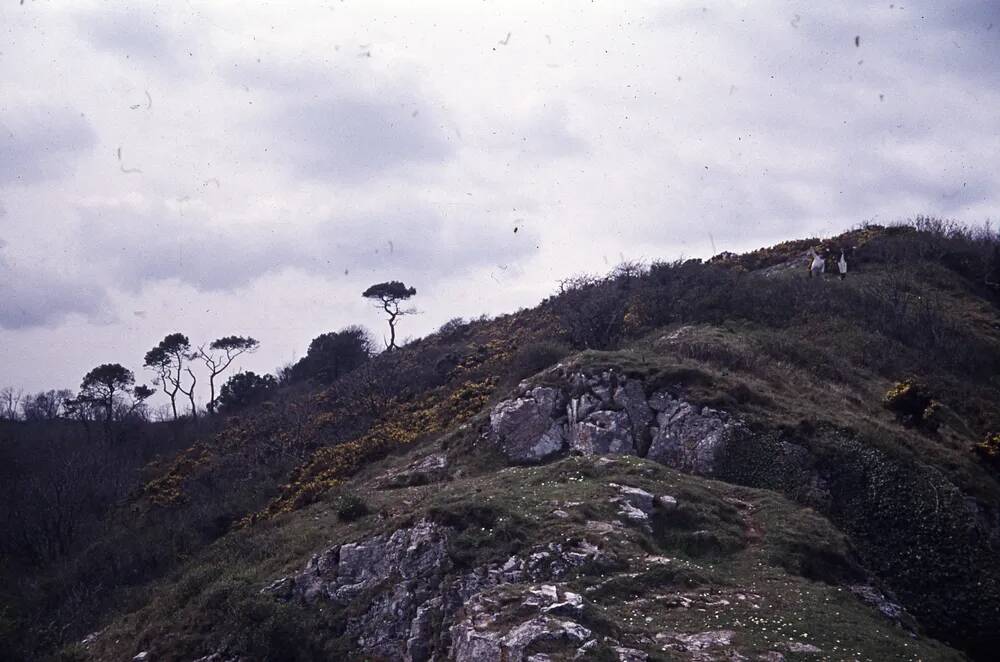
(818, 265)
(842, 266)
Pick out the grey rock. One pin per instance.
(430, 469)
(602, 392)
(525, 429)
(666, 502)
(473, 641)
(418, 646)
(400, 573)
(603, 432)
(690, 439)
(639, 498)
(891, 610)
(571, 606)
(630, 654)
(632, 399)
(698, 641)
(632, 514)
(585, 651)
(601, 528)
(801, 647)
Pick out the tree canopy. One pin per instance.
(390, 291)
(104, 382)
(243, 389)
(167, 359)
(220, 355)
(389, 295)
(333, 354)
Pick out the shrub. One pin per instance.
(454, 328)
(351, 508)
(537, 356)
(989, 448)
(243, 389)
(334, 354)
(912, 404)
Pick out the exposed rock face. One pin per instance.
(413, 595)
(525, 428)
(405, 571)
(603, 432)
(891, 610)
(481, 637)
(687, 437)
(609, 414)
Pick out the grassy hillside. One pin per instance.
(835, 487)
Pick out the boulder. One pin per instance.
(688, 438)
(430, 469)
(698, 641)
(525, 429)
(603, 432)
(474, 642)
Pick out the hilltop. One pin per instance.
(679, 461)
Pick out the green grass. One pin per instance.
(790, 560)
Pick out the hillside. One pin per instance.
(719, 460)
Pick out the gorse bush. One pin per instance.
(912, 404)
(989, 448)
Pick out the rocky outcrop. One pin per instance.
(526, 429)
(399, 574)
(547, 619)
(687, 437)
(891, 610)
(609, 414)
(430, 469)
(418, 606)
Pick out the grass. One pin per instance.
(788, 561)
(805, 363)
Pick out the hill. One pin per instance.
(691, 460)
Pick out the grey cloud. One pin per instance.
(133, 33)
(136, 248)
(324, 127)
(545, 136)
(352, 139)
(30, 297)
(39, 143)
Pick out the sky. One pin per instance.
(221, 168)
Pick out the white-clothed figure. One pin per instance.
(818, 266)
(842, 266)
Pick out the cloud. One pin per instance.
(41, 142)
(30, 297)
(136, 242)
(324, 124)
(134, 33)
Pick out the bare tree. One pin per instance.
(45, 405)
(220, 355)
(10, 402)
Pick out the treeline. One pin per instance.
(109, 392)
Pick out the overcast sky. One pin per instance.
(250, 168)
